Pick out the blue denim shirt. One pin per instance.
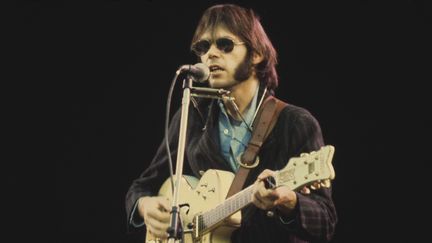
(234, 135)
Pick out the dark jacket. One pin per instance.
(295, 132)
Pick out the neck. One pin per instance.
(243, 94)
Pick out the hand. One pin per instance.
(282, 197)
(155, 212)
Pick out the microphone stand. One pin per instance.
(175, 231)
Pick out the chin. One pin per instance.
(219, 83)
(216, 85)
(216, 82)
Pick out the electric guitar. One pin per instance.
(208, 217)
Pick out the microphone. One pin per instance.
(199, 72)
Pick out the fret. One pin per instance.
(201, 222)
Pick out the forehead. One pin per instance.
(218, 32)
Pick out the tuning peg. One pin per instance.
(326, 183)
(315, 185)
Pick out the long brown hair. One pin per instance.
(246, 24)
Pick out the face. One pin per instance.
(227, 67)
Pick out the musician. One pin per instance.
(230, 40)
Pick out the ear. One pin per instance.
(256, 58)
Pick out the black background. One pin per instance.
(90, 82)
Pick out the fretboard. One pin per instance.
(227, 208)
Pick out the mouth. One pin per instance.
(214, 69)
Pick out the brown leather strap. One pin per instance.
(266, 120)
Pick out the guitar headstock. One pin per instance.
(308, 169)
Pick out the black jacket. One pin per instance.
(295, 132)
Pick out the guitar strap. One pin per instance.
(262, 126)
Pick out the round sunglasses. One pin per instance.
(224, 44)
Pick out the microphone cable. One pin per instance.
(167, 119)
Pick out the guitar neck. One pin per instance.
(299, 171)
(226, 209)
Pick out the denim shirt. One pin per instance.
(234, 135)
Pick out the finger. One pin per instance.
(266, 194)
(305, 190)
(156, 227)
(261, 190)
(255, 195)
(159, 215)
(260, 197)
(262, 204)
(266, 173)
(157, 233)
(256, 201)
(287, 200)
(263, 198)
(268, 197)
(164, 203)
(272, 195)
(159, 225)
(284, 195)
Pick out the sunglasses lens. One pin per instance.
(201, 47)
(225, 45)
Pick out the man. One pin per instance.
(232, 43)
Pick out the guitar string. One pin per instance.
(215, 215)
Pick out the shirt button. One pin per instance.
(226, 131)
(270, 214)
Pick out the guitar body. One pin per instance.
(197, 196)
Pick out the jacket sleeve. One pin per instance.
(149, 182)
(316, 216)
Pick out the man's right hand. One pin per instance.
(156, 215)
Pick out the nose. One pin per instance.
(213, 51)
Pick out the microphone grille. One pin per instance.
(204, 72)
